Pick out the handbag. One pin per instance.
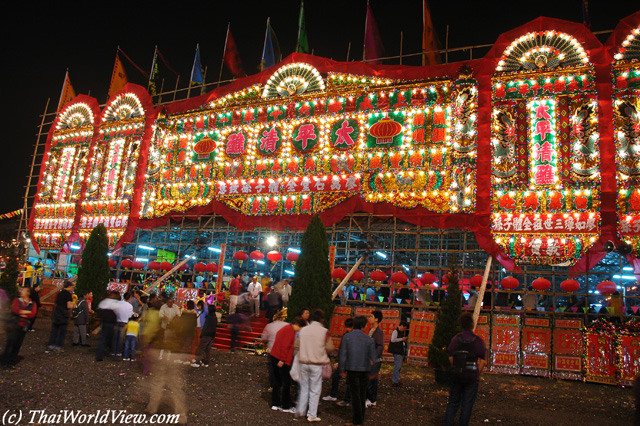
(295, 369)
(327, 371)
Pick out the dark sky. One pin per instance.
(41, 42)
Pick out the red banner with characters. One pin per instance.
(568, 349)
(630, 362)
(185, 294)
(505, 344)
(536, 347)
(601, 359)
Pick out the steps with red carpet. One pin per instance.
(223, 334)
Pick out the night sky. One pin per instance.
(41, 41)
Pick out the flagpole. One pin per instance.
(64, 83)
(153, 64)
(401, 38)
(348, 51)
(204, 79)
(224, 52)
(364, 44)
(175, 90)
(264, 47)
(299, 26)
(424, 7)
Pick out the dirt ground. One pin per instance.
(234, 391)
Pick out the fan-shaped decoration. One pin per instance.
(378, 276)
(338, 273)
(293, 79)
(155, 266)
(138, 265)
(541, 284)
(166, 266)
(543, 49)
(257, 255)
(509, 283)
(399, 277)
(274, 256)
(76, 116)
(357, 276)
(428, 279)
(200, 267)
(126, 263)
(292, 257)
(212, 267)
(630, 48)
(569, 285)
(125, 107)
(606, 287)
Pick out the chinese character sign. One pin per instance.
(543, 142)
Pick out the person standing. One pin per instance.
(269, 335)
(255, 288)
(355, 360)
(335, 378)
(124, 311)
(274, 304)
(35, 296)
(23, 310)
(207, 336)
(60, 321)
(107, 313)
(463, 391)
(376, 333)
(131, 330)
(398, 347)
(168, 312)
(473, 297)
(81, 318)
(314, 345)
(234, 292)
(285, 291)
(530, 300)
(281, 358)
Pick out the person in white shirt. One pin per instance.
(285, 291)
(255, 288)
(168, 312)
(123, 311)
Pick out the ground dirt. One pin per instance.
(234, 391)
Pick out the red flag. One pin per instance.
(231, 57)
(67, 92)
(118, 77)
(373, 48)
(429, 38)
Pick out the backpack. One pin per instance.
(75, 313)
(465, 367)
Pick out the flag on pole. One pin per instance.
(67, 92)
(429, 38)
(231, 56)
(196, 71)
(118, 76)
(373, 48)
(303, 41)
(271, 49)
(154, 73)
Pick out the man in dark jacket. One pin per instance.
(81, 318)
(398, 347)
(207, 336)
(376, 333)
(60, 321)
(355, 360)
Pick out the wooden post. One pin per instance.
(483, 287)
(223, 249)
(346, 278)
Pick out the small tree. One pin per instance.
(312, 282)
(93, 274)
(447, 324)
(9, 278)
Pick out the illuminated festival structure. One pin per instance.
(530, 155)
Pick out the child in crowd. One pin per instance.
(131, 330)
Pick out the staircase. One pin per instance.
(222, 341)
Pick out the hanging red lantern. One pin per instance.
(212, 267)
(509, 283)
(200, 267)
(154, 266)
(607, 287)
(541, 284)
(274, 256)
(399, 277)
(357, 276)
(292, 257)
(338, 274)
(570, 285)
(126, 263)
(378, 276)
(428, 278)
(257, 255)
(166, 266)
(138, 265)
(240, 256)
(183, 267)
(112, 263)
(476, 280)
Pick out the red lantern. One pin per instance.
(357, 276)
(204, 147)
(476, 280)
(292, 257)
(274, 256)
(427, 279)
(257, 255)
(541, 284)
(569, 285)
(378, 276)
(212, 267)
(183, 267)
(399, 277)
(338, 274)
(155, 265)
(138, 265)
(240, 256)
(509, 283)
(385, 130)
(112, 263)
(607, 287)
(126, 263)
(200, 267)
(166, 266)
